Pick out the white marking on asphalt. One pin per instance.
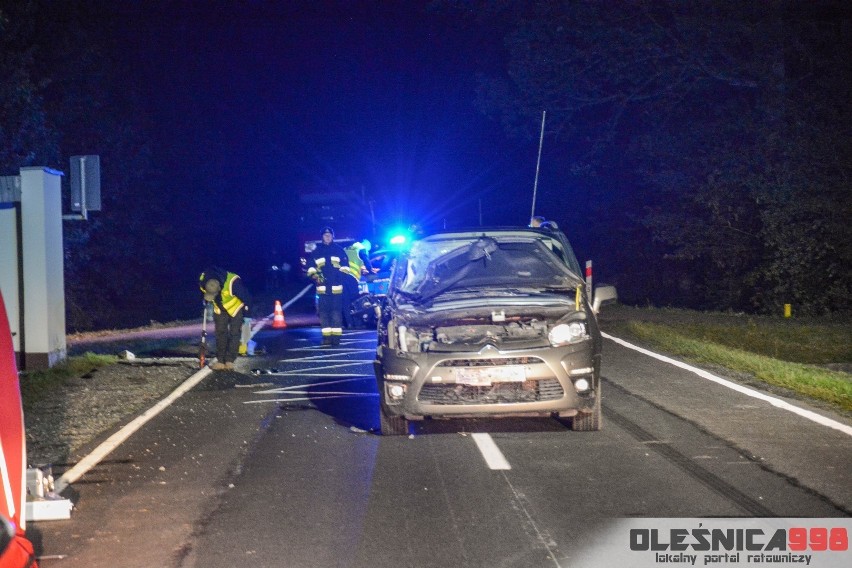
(328, 392)
(116, 439)
(321, 360)
(308, 398)
(489, 450)
(330, 350)
(321, 367)
(306, 385)
(104, 449)
(302, 373)
(777, 402)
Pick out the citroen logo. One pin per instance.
(488, 349)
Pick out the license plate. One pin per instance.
(486, 375)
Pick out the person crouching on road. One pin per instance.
(231, 300)
(329, 267)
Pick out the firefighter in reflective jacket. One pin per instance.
(329, 267)
(358, 267)
(231, 301)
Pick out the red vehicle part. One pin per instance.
(18, 551)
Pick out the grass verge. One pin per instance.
(37, 385)
(779, 352)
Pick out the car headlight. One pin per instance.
(567, 333)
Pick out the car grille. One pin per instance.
(490, 362)
(498, 393)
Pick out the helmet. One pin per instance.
(211, 281)
(211, 288)
(327, 230)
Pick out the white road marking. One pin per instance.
(331, 351)
(319, 360)
(777, 402)
(104, 449)
(307, 398)
(320, 393)
(306, 385)
(321, 367)
(489, 450)
(116, 439)
(303, 373)
(322, 359)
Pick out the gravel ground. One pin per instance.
(62, 428)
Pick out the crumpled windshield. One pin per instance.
(433, 267)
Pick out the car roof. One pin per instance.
(496, 230)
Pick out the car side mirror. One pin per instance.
(604, 294)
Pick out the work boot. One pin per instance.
(217, 366)
(326, 340)
(335, 340)
(229, 366)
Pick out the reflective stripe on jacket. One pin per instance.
(329, 265)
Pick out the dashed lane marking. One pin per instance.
(489, 450)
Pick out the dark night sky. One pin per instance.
(247, 104)
(372, 96)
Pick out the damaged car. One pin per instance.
(494, 322)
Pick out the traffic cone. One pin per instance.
(278, 321)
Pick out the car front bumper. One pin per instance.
(490, 382)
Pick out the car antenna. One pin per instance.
(538, 163)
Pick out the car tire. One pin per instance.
(391, 424)
(590, 421)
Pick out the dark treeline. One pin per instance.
(70, 88)
(699, 151)
(704, 147)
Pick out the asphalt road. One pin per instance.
(279, 465)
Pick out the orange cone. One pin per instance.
(278, 321)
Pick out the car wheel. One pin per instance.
(392, 425)
(591, 421)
